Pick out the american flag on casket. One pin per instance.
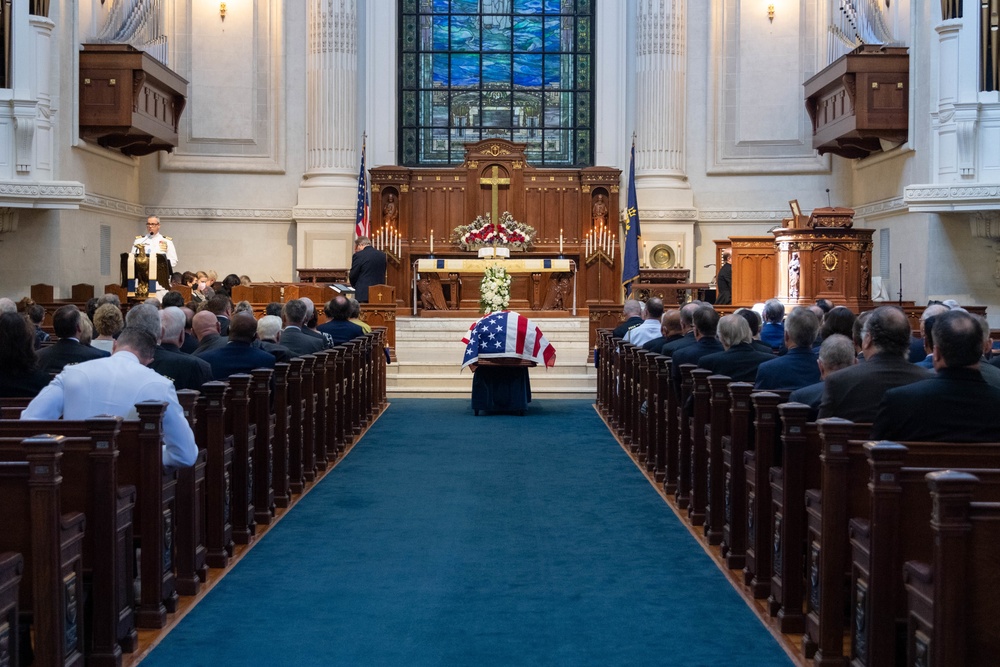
(507, 335)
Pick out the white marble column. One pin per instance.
(333, 150)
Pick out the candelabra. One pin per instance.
(388, 240)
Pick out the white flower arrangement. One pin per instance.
(481, 233)
(494, 290)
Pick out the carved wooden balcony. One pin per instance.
(860, 101)
(128, 100)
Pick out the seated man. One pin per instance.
(706, 323)
(740, 360)
(269, 338)
(754, 321)
(293, 337)
(773, 331)
(239, 355)
(68, 326)
(633, 318)
(112, 386)
(855, 393)
(206, 329)
(670, 330)
(687, 330)
(836, 352)
(338, 328)
(956, 405)
(186, 370)
(650, 327)
(356, 316)
(798, 368)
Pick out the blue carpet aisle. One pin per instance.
(447, 539)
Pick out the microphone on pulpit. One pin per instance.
(708, 265)
(828, 202)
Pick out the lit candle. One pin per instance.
(399, 244)
(432, 241)
(560, 241)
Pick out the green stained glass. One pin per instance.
(512, 69)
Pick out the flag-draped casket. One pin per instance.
(507, 335)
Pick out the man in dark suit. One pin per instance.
(238, 356)
(269, 337)
(740, 360)
(338, 309)
(367, 268)
(687, 329)
(187, 371)
(836, 352)
(798, 368)
(632, 310)
(221, 306)
(956, 405)
(294, 315)
(724, 282)
(754, 322)
(206, 330)
(773, 330)
(68, 349)
(706, 323)
(855, 393)
(670, 328)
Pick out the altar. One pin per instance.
(451, 283)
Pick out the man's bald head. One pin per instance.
(204, 324)
(670, 323)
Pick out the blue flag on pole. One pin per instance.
(361, 225)
(630, 262)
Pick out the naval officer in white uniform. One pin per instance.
(157, 244)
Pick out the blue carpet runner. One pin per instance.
(449, 539)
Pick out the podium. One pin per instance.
(827, 260)
(143, 274)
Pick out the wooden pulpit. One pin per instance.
(380, 311)
(755, 274)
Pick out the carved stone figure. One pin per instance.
(390, 211)
(599, 211)
(793, 276)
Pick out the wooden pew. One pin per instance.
(896, 530)
(11, 569)
(682, 495)
(282, 419)
(211, 436)
(321, 402)
(700, 421)
(951, 620)
(308, 398)
(758, 461)
(191, 569)
(660, 416)
(798, 469)
(718, 428)
(844, 494)
(734, 448)
(34, 524)
(244, 434)
(90, 486)
(295, 425)
(263, 467)
(140, 464)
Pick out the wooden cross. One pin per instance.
(496, 183)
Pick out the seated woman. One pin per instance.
(108, 323)
(19, 375)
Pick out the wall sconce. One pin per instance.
(770, 13)
(222, 11)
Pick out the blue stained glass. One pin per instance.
(554, 6)
(440, 66)
(553, 71)
(527, 70)
(527, 34)
(441, 33)
(496, 68)
(465, 70)
(527, 6)
(553, 34)
(442, 6)
(465, 33)
(496, 35)
(464, 6)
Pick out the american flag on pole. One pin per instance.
(507, 335)
(362, 226)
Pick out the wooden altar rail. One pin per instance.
(254, 459)
(763, 486)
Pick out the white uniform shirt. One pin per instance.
(112, 386)
(645, 332)
(158, 244)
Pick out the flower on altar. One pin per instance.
(482, 233)
(494, 290)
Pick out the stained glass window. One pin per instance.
(510, 69)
